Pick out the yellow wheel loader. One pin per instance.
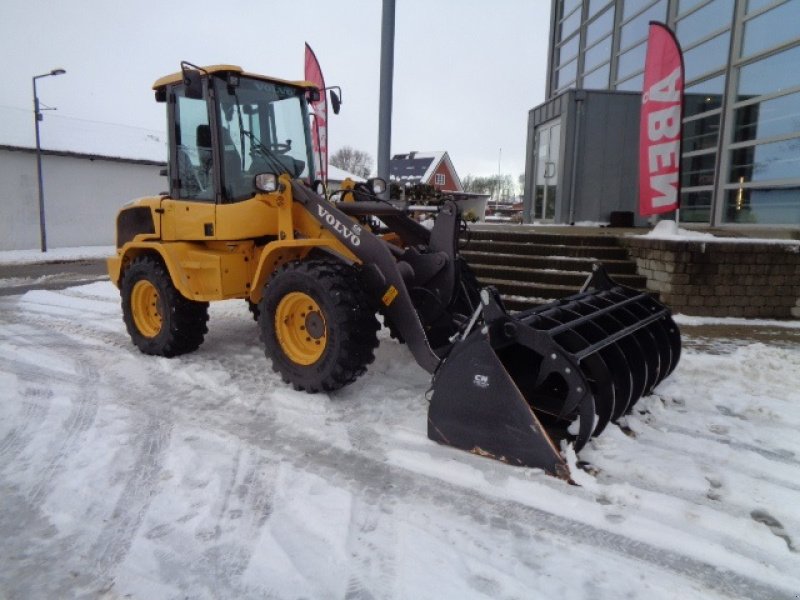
(244, 219)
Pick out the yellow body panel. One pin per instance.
(187, 220)
(228, 264)
(251, 218)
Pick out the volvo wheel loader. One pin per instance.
(243, 219)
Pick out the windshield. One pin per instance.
(263, 130)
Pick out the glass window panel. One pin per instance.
(686, 5)
(778, 206)
(570, 24)
(569, 5)
(766, 162)
(779, 116)
(597, 54)
(772, 28)
(631, 61)
(193, 151)
(634, 84)
(698, 171)
(708, 56)
(704, 96)
(568, 50)
(600, 26)
(714, 86)
(567, 74)
(771, 74)
(754, 5)
(597, 79)
(631, 7)
(701, 134)
(695, 104)
(700, 23)
(636, 29)
(696, 207)
(596, 5)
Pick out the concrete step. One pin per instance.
(572, 278)
(555, 249)
(560, 263)
(533, 293)
(531, 267)
(537, 237)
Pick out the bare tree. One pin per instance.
(500, 186)
(354, 161)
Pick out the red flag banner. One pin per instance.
(660, 125)
(319, 129)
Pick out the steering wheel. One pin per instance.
(280, 147)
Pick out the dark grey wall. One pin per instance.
(599, 174)
(607, 163)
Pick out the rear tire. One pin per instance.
(159, 319)
(317, 325)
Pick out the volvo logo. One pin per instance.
(350, 236)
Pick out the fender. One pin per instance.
(279, 252)
(194, 268)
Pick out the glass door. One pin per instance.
(548, 137)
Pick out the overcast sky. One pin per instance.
(466, 71)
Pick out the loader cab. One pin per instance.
(225, 127)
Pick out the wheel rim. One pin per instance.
(145, 308)
(300, 328)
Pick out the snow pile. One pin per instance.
(669, 230)
(205, 476)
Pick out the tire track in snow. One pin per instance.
(80, 418)
(115, 538)
(365, 539)
(15, 441)
(329, 462)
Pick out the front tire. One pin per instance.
(159, 319)
(317, 325)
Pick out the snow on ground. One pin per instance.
(204, 476)
(28, 257)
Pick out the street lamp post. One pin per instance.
(37, 116)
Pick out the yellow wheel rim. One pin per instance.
(144, 305)
(300, 328)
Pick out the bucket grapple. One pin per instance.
(517, 384)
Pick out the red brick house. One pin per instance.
(429, 168)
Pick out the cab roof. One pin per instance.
(214, 69)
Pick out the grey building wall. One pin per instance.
(596, 170)
(82, 196)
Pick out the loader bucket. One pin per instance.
(517, 385)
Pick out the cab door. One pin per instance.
(189, 212)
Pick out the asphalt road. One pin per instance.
(18, 279)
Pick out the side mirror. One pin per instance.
(377, 185)
(194, 84)
(193, 80)
(336, 103)
(266, 182)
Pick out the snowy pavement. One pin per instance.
(204, 476)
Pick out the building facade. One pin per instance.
(428, 168)
(741, 131)
(82, 195)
